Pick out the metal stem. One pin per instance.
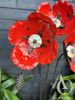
(39, 68)
(46, 82)
(40, 33)
(51, 91)
(26, 37)
(57, 64)
(30, 49)
(58, 16)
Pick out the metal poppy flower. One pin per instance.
(34, 41)
(70, 50)
(61, 13)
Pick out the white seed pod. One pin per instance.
(57, 22)
(35, 41)
(70, 51)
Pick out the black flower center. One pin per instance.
(34, 41)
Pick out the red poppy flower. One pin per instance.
(34, 41)
(70, 49)
(61, 13)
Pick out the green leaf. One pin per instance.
(68, 87)
(10, 95)
(4, 77)
(0, 76)
(7, 84)
(2, 96)
(20, 95)
(54, 97)
(27, 78)
(74, 85)
(2, 72)
(65, 96)
(69, 77)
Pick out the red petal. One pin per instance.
(70, 38)
(44, 8)
(59, 32)
(22, 59)
(17, 32)
(47, 53)
(53, 51)
(43, 19)
(70, 26)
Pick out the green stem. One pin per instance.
(46, 82)
(39, 68)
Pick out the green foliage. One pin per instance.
(65, 96)
(8, 89)
(7, 83)
(0, 76)
(69, 77)
(54, 97)
(27, 79)
(69, 93)
(20, 95)
(10, 95)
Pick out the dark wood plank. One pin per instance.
(3, 35)
(14, 14)
(6, 24)
(5, 53)
(5, 45)
(8, 3)
(60, 39)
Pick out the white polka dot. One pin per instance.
(26, 58)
